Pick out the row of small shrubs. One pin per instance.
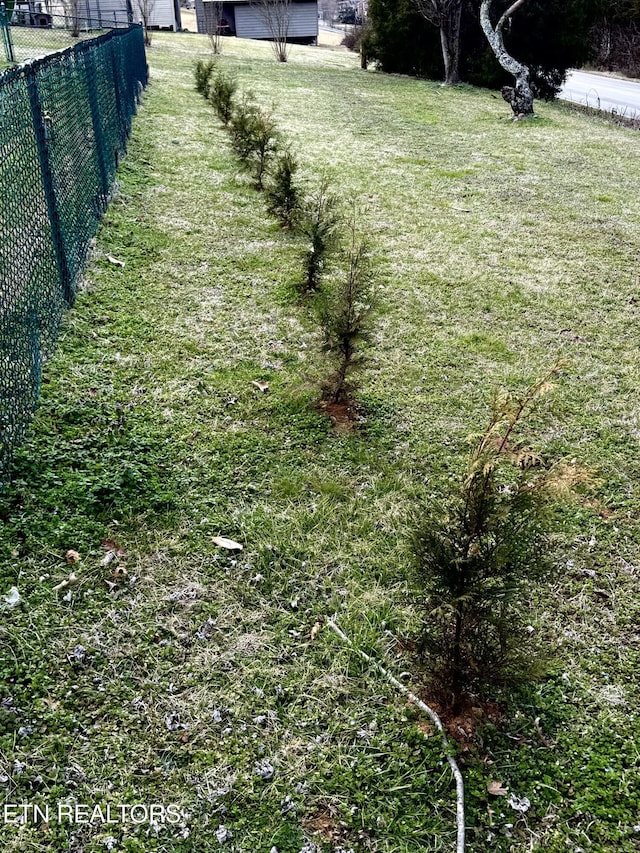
(477, 553)
(342, 302)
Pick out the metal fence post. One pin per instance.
(6, 34)
(42, 129)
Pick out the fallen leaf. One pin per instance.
(112, 545)
(72, 556)
(119, 572)
(316, 630)
(261, 386)
(70, 581)
(497, 789)
(229, 544)
(115, 261)
(519, 804)
(264, 769)
(11, 599)
(223, 834)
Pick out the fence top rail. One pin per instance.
(18, 18)
(15, 71)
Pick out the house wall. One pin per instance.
(163, 15)
(106, 13)
(303, 22)
(111, 12)
(247, 20)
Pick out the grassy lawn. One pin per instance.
(179, 673)
(33, 43)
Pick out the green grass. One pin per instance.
(33, 43)
(497, 245)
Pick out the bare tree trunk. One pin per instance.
(72, 11)
(450, 42)
(446, 15)
(145, 8)
(213, 23)
(520, 96)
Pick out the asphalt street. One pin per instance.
(602, 92)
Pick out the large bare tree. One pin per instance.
(446, 15)
(277, 17)
(520, 96)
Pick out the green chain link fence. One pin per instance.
(64, 122)
(33, 35)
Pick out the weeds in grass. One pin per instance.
(222, 91)
(345, 311)
(477, 559)
(203, 72)
(319, 222)
(282, 194)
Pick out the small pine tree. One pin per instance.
(222, 90)
(266, 142)
(202, 72)
(477, 558)
(254, 137)
(319, 221)
(282, 195)
(242, 127)
(345, 309)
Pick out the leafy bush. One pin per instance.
(282, 195)
(478, 557)
(222, 90)
(202, 72)
(319, 222)
(352, 38)
(345, 310)
(399, 40)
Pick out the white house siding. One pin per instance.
(250, 22)
(163, 15)
(105, 13)
(110, 13)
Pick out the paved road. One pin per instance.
(602, 92)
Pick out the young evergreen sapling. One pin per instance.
(319, 221)
(345, 308)
(282, 194)
(222, 90)
(202, 72)
(478, 558)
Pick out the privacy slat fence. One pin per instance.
(64, 123)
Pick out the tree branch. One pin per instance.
(506, 15)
